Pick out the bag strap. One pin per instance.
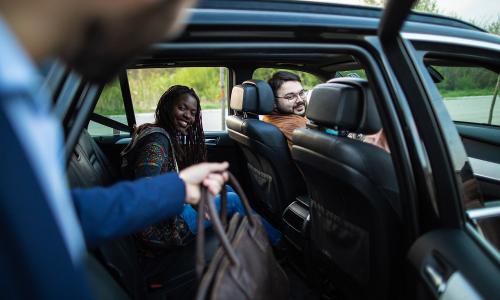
(207, 205)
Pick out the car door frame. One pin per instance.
(439, 269)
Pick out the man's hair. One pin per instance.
(192, 150)
(280, 77)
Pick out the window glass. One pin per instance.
(359, 73)
(110, 105)
(469, 93)
(308, 80)
(209, 83)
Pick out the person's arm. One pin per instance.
(127, 207)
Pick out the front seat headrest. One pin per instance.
(345, 103)
(253, 96)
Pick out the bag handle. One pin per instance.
(207, 204)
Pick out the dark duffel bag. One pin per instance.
(244, 266)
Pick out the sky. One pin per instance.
(482, 11)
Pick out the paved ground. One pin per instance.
(212, 121)
(470, 109)
(473, 109)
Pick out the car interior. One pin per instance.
(341, 204)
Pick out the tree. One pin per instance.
(428, 6)
(375, 2)
(494, 27)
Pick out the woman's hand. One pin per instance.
(211, 175)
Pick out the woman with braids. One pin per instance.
(173, 142)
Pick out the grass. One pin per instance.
(465, 93)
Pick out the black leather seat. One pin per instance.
(274, 177)
(89, 166)
(173, 276)
(355, 208)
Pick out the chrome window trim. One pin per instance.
(485, 169)
(478, 236)
(483, 213)
(423, 37)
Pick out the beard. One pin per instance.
(292, 110)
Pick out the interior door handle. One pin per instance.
(436, 278)
(211, 141)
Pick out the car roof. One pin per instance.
(322, 8)
(228, 21)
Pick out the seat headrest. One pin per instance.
(346, 103)
(253, 96)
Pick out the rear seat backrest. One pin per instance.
(90, 167)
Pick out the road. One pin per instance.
(470, 109)
(473, 109)
(212, 121)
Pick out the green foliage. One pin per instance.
(428, 6)
(375, 2)
(147, 86)
(494, 27)
(431, 6)
(308, 80)
(110, 102)
(352, 73)
(466, 81)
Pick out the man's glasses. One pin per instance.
(295, 96)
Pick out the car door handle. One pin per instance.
(436, 278)
(211, 141)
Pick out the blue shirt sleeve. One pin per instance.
(110, 212)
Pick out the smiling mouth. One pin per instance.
(183, 124)
(300, 107)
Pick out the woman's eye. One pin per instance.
(193, 112)
(181, 108)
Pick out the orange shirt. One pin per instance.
(287, 124)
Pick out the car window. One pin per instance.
(358, 73)
(209, 83)
(110, 105)
(469, 93)
(308, 80)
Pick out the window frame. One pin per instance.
(470, 54)
(113, 124)
(228, 85)
(465, 62)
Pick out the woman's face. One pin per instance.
(184, 112)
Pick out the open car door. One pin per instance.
(453, 257)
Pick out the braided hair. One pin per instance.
(189, 149)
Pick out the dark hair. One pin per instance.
(280, 77)
(189, 149)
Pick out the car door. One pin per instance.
(454, 255)
(469, 89)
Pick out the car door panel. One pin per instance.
(450, 259)
(221, 148)
(112, 146)
(482, 143)
(451, 264)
